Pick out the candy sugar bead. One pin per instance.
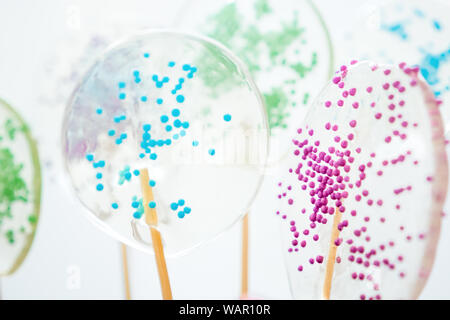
(367, 185)
(178, 133)
(285, 44)
(20, 189)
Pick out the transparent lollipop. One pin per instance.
(285, 45)
(414, 31)
(361, 194)
(20, 189)
(143, 106)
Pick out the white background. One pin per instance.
(70, 258)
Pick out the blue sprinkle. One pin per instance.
(137, 80)
(437, 25)
(114, 205)
(160, 143)
(99, 111)
(175, 112)
(177, 123)
(187, 210)
(212, 152)
(171, 64)
(146, 127)
(152, 183)
(185, 124)
(164, 119)
(181, 214)
(186, 67)
(135, 204)
(159, 101)
(122, 96)
(123, 136)
(118, 141)
(137, 215)
(99, 175)
(165, 79)
(90, 157)
(195, 143)
(122, 85)
(99, 187)
(136, 172)
(174, 206)
(128, 175)
(180, 98)
(182, 133)
(227, 117)
(146, 55)
(143, 98)
(153, 156)
(141, 155)
(168, 128)
(136, 73)
(176, 136)
(168, 142)
(111, 132)
(152, 204)
(101, 163)
(181, 202)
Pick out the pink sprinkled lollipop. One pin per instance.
(361, 194)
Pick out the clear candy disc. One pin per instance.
(361, 194)
(145, 104)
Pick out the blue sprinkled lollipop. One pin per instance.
(142, 108)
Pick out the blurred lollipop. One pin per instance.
(414, 31)
(20, 190)
(150, 147)
(285, 45)
(361, 194)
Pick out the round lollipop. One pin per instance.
(287, 48)
(148, 144)
(20, 189)
(414, 31)
(362, 191)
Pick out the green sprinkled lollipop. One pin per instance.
(20, 189)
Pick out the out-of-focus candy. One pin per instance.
(144, 105)
(414, 31)
(362, 191)
(20, 189)
(285, 45)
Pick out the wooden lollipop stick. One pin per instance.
(244, 270)
(331, 256)
(125, 272)
(151, 218)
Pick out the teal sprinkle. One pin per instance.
(152, 183)
(181, 214)
(122, 85)
(99, 111)
(99, 187)
(187, 210)
(159, 101)
(168, 128)
(143, 98)
(153, 156)
(175, 112)
(164, 118)
(136, 172)
(212, 152)
(174, 206)
(181, 202)
(90, 157)
(99, 175)
(180, 98)
(152, 204)
(135, 204)
(227, 117)
(111, 132)
(146, 127)
(182, 133)
(195, 143)
(176, 136)
(146, 55)
(122, 96)
(171, 64)
(114, 205)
